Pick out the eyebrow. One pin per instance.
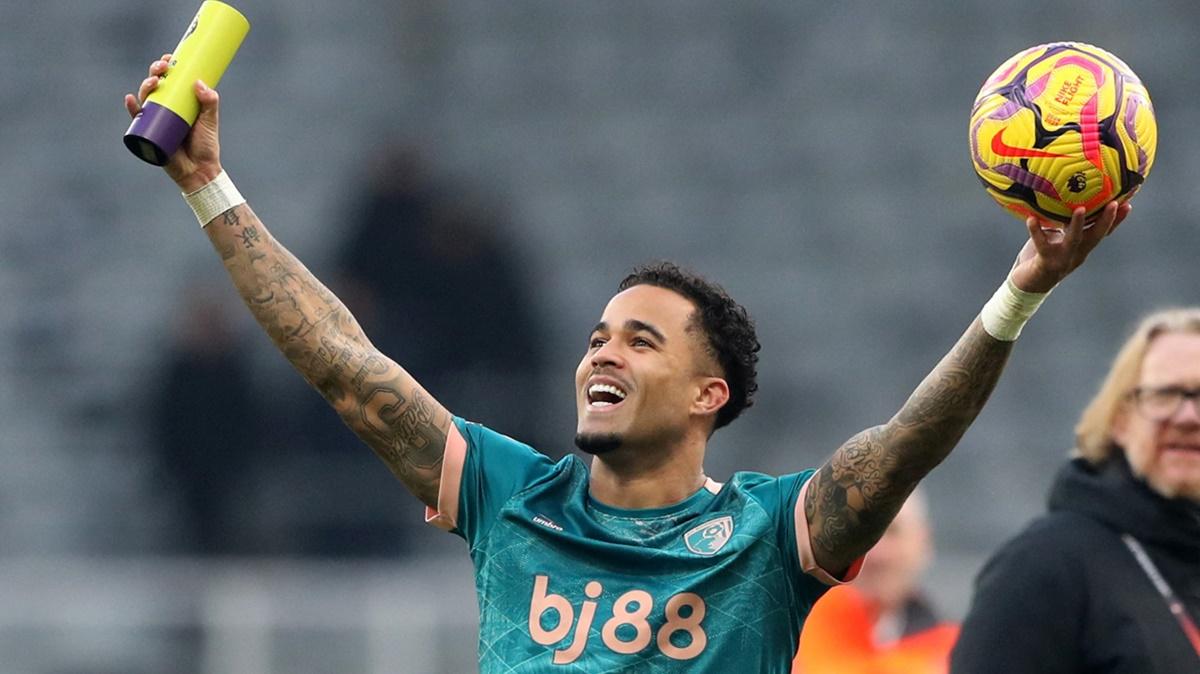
(634, 325)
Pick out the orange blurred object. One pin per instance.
(837, 639)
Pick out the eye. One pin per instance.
(596, 342)
(641, 341)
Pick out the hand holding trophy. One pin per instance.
(169, 111)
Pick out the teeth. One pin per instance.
(606, 388)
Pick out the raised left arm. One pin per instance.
(859, 490)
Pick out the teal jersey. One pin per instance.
(568, 584)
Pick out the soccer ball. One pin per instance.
(1059, 126)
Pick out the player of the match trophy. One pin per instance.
(170, 110)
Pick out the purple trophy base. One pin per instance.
(155, 134)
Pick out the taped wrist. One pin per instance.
(1009, 310)
(214, 199)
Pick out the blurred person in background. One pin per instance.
(456, 263)
(455, 255)
(882, 623)
(1109, 580)
(206, 422)
(699, 574)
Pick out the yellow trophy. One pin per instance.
(206, 50)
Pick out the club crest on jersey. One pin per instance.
(708, 538)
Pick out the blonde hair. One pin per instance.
(1093, 433)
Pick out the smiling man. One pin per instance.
(637, 560)
(1109, 580)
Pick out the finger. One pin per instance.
(1104, 223)
(149, 84)
(1073, 231)
(1122, 213)
(1028, 251)
(209, 102)
(205, 93)
(1038, 235)
(161, 65)
(1107, 218)
(1078, 219)
(1112, 211)
(1034, 226)
(131, 105)
(1053, 231)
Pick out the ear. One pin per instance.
(711, 396)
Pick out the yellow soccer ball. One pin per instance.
(1059, 126)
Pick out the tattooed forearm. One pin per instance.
(249, 236)
(407, 432)
(374, 396)
(855, 495)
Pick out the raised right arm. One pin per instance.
(374, 396)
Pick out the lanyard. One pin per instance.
(1173, 603)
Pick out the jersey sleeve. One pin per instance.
(481, 471)
(783, 498)
(808, 561)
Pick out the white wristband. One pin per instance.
(1009, 309)
(214, 199)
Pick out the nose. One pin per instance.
(608, 355)
(1189, 411)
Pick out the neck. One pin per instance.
(632, 479)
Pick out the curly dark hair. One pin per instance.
(729, 330)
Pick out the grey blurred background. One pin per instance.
(174, 499)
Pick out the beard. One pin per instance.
(598, 443)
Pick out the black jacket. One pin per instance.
(1067, 596)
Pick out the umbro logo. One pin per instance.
(708, 538)
(546, 522)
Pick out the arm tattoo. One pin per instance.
(408, 430)
(374, 396)
(249, 236)
(855, 495)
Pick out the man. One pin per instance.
(882, 624)
(1109, 580)
(641, 563)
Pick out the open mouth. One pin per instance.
(604, 396)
